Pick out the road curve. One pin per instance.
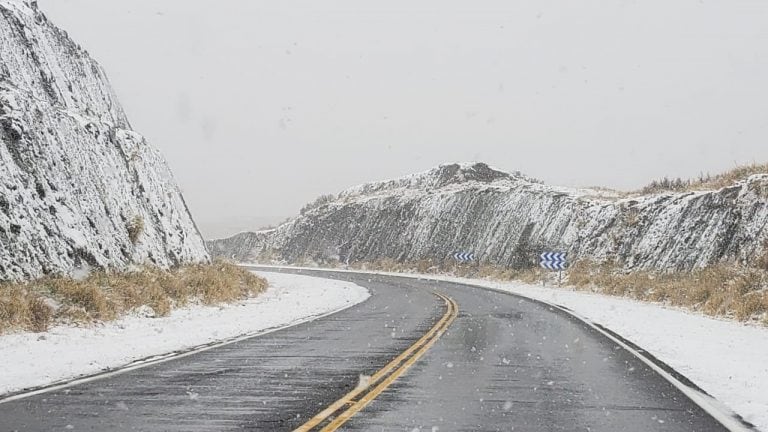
(504, 364)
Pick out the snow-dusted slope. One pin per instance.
(73, 175)
(507, 219)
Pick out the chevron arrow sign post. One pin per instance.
(553, 260)
(463, 257)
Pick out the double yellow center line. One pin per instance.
(360, 397)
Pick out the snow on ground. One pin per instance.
(726, 359)
(37, 359)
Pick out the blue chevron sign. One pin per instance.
(553, 260)
(464, 256)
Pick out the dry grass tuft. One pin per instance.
(21, 308)
(734, 175)
(221, 282)
(106, 296)
(41, 315)
(317, 203)
(14, 307)
(705, 181)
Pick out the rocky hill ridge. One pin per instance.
(78, 187)
(508, 219)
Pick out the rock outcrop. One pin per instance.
(78, 187)
(508, 219)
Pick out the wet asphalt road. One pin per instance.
(505, 364)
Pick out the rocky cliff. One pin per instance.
(77, 186)
(508, 219)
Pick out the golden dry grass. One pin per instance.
(737, 174)
(106, 296)
(722, 290)
(705, 182)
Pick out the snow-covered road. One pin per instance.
(38, 359)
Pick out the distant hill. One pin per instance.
(507, 219)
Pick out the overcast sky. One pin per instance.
(260, 106)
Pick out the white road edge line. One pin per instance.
(719, 411)
(162, 358)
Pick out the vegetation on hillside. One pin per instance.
(705, 181)
(318, 202)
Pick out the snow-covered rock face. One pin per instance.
(73, 175)
(508, 219)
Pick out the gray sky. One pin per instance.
(260, 106)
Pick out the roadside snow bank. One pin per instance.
(30, 360)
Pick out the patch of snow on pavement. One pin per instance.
(37, 359)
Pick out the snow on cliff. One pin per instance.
(73, 175)
(508, 219)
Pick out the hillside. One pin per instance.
(78, 187)
(508, 219)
